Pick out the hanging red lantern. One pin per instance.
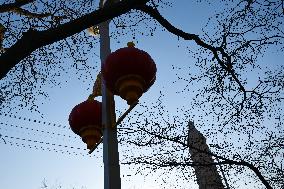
(129, 72)
(85, 120)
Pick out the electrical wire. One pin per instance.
(34, 120)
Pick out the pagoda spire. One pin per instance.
(207, 176)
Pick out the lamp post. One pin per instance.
(110, 143)
(128, 72)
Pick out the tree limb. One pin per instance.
(16, 8)
(32, 39)
(225, 160)
(154, 13)
(11, 6)
(27, 13)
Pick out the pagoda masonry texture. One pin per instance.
(207, 176)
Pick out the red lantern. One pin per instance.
(85, 120)
(129, 72)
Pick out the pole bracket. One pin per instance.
(119, 120)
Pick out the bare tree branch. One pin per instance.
(27, 13)
(12, 6)
(32, 39)
(187, 36)
(225, 160)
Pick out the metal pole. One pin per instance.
(110, 143)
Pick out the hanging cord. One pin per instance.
(97, 88)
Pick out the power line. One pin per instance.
(34, 120)
(42, 142)
(37, 130)
(46, 149)
(37, 147)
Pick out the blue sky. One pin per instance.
(22, 167)
(28, 168)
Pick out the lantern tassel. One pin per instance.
(97, 88)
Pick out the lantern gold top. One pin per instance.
(130, 44)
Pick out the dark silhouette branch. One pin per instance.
(225, 160)
(11, 6)
(27, 13)
(154, 13)
(3, 139)
(32, 39)
(16, 8)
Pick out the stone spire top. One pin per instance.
(207, 176)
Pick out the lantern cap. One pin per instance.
(130, 44)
